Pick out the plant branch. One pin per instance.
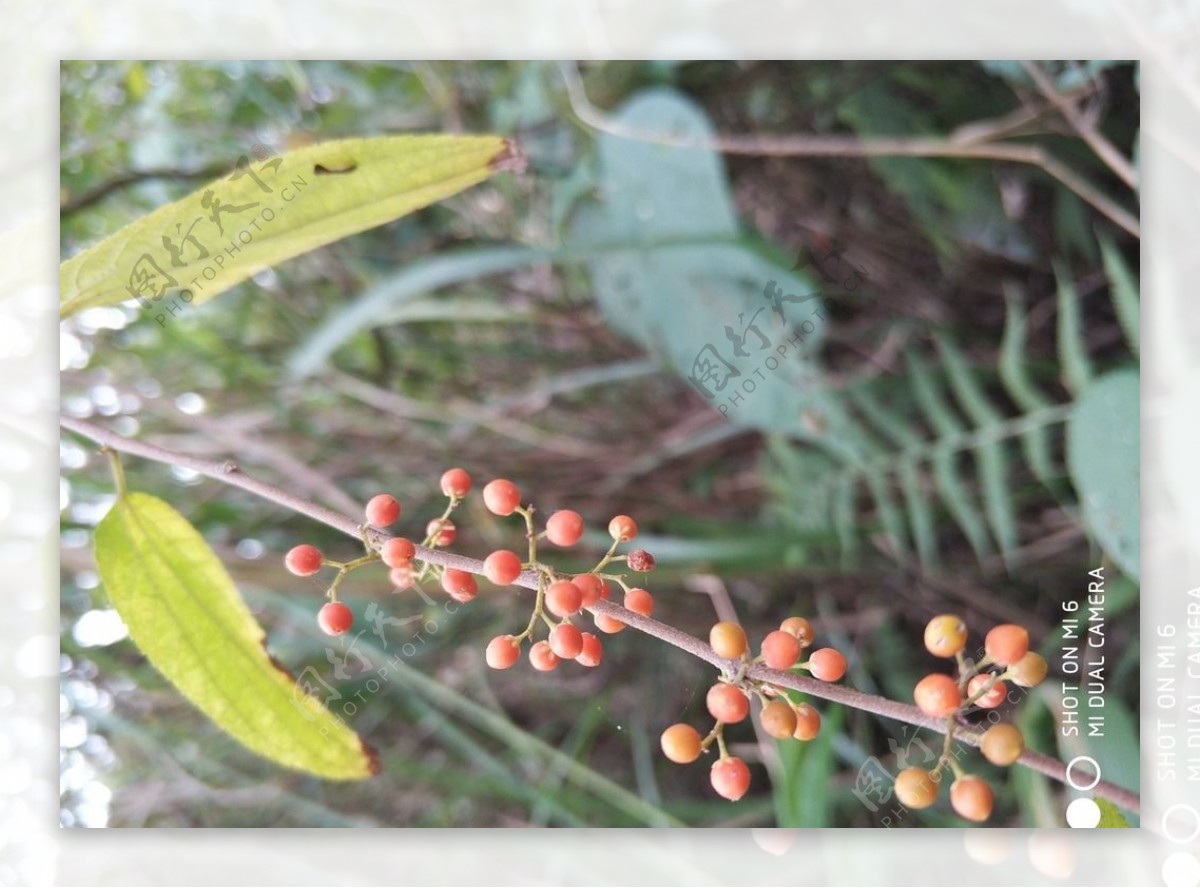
(228, 473)
(104, 189)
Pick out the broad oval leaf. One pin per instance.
(185, 614)
(272, 209)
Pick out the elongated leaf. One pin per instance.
(268, 211)
(186, 616)
(1124, 289)
(1072, 348)
(1014, 374)
(920, 512)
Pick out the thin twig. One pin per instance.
(104, 189)
(229, 473)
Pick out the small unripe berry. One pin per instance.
(993, 698)
(681, 744)
(808, 722)
(563, 598)
(727, 703)
(827, 664)
(916, 788)
(502, 567)
(778, 719)
(937, 695)
(501, 497)
(728, 640)
(640, 560)
(608, 625)
(402, 577)
(443, 536)
(780, 649)
(564, 528)
(945, 636)
(335, 618)
(639, 601)
(971, 797)
(502, 652)
(382, 510)
(397, 552)
(456, 483)
(592, 651)
(1028, 671)
(566, 641)
(799, 627)
(459, 584)
(1002, 744)
(542, 658)
(591, 587)
(622, 528)
(303, 560)
(730, 778)
(1007, 643)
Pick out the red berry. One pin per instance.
(1028, 671)
(443, 536)
(728, 640)
(778, 719)
(564, 528)
(607, 624)
(303, 560)
(335, 618)
(971, 797)
(591, 587)
(563, 598)
(542, 658)
(1007, 643)
(727, 703)
(456, 483)
(799, 627)
(1002, 744)
(640, 560)
(639, 601)
(566, 641)
(501, 497)
(681, 744)
(780, 649)
(591, 652)
(459, 584)
(502, 567)
(398, 552)
(622, 528)
(827, 664)
(945, 635)
(502, 652)
(937, 695)
(916, 788)
(993, 698)
(808, 722)
(402, 577)
(730, 778)
(383, 510)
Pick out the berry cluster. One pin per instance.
(728, 700)
(1006, 658)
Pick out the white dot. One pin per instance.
(1181, 870)
(1083, 814)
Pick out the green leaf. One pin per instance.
(1110, 815)
(1103, 454)
(1072, 347)
(1124, 289)
(186, 616)
(1014, 374)
(269, 211)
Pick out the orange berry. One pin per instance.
(335, 618)
(591, 587)
(778, 719)
(402, 577)
(443, 536)
(1028, 671)
(1002, 744)
(607, 624)
(730, 778)
(622, 528)
(501, 497)
(564, 528)
(459, 584)
(971, 797)
(827, 664)
(502, 567)
(945, 636)
(382, 510)
(639, 601)
(992, 698)
(916, 788)
(780, 649)
(681, 744)
(1007, 643)
(502, 652)
(563, 598)
(566, 641)
(640, 560)
(727, 703)
(937, 695)
(808, 722)
(303, 560)
(591, 652)
(542, 658)
(456, 483)
(397, 552)
(799, 627)
(728, 640)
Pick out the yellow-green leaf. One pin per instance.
(185, 614)
(1110, 816)
(270, 209)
